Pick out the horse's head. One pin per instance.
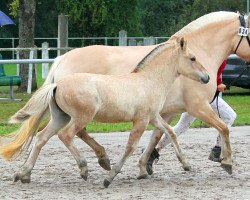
(241, 45)
(188, 64)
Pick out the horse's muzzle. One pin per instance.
(205, 78)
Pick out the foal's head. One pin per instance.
(188, 64)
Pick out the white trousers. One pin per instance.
(227, 114)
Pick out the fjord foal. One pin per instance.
(211, 37)
(137, 97)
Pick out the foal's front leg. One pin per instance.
(159, 123)
(134, 137)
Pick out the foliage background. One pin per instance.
(107, 17)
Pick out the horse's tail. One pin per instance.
(31, 115)
(38, 104)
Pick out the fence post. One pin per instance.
(17, 65)
(132, 42)
(33, 55)
(62, 33)
(148, 41)
(122, 38)
(45, 55)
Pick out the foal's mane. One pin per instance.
(202, 22)
(157, 50)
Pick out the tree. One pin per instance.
(26, 37)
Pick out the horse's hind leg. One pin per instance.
(99, 150)
(134, 137)
(41, 139)
(67, 135)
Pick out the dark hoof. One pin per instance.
(23, 180)
(144, 176)
(187, 168)
(215, 154)
(106, 183)
(227, 168)
(85, 177)
(16, 177)
(105, 163)
(154, 156)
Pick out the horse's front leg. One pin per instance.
(99, 150)
(159, 123)
(150, 153)
(206, 114)
(139, 127)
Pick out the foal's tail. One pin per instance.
(31, 115)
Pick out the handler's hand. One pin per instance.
(221, 87)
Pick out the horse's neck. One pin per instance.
(213, 43)
(162, 69)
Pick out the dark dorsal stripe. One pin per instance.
(151, 54)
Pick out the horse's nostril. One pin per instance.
(205, 79)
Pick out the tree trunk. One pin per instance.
(26, 39)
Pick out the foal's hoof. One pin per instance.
(106, 183)
(23, 179)
(227, 168)
(187, 168)
(144, 176)
(84, 174)
(104, 163)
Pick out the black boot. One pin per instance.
(215, 154)
(154, 155)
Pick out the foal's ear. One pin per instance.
(183, 43)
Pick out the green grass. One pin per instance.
(238, 98)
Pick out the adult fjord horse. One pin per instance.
(212, 37)
(137, 97)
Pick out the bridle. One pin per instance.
(243, 32)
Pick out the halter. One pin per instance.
(243, 32)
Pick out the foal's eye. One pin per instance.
(192, 59)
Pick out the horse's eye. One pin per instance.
(192, 59)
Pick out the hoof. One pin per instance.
(227, 168)
(106, 183)
(104, 163)
(186, 168)
(23, 179)
(16, 177)
(84, 173)
(215, 154)
(144, 176)
(85, 177)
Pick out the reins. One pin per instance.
(243, 32)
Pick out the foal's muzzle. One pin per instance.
(205, 78)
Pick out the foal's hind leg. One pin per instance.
(67, 135)
(99, 150)
(134, 137)
(57, 121)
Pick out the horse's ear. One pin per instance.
(183, 43)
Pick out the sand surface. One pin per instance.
(56, 175)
